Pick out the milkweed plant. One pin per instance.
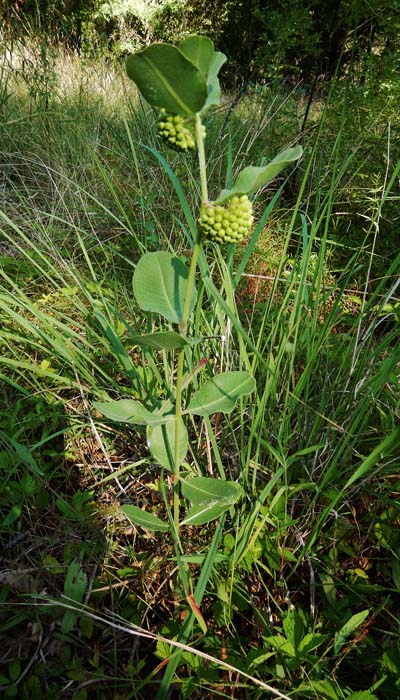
(181, 83)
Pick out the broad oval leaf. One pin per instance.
(213, 86)
(147, 520)
(252, 178)
(210, 498)
(167, 79)
(162, 341)
(214, 95)
(129, 411)
(217, 62)
(199, 515)
(199, 50)
(220, 394)
(161, 443)
(202, 489)
(160, 285)
(75, 582)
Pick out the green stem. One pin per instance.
(184, 321)
(202, 159)
(178, 419)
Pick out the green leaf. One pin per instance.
(160, 285)
(213, 86)
(12, 516)
(217, 62)
(252, 178)
(220, 394)
(210, 498)
(86, 626)
(147, 520)
(293, 627)
(75, 582)
(202, 489)
(161, 443)
(167, 79)
(214, 95)
(199, 50)
(281, 644)
(68, 622)
(162, 341)
(74, 587)
(14, 669)
(310, 642)
(199, 515)
(348, 628)
(129, 411)
(325, 689)
(396, 573)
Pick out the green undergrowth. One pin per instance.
(303, 595)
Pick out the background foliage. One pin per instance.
(293, 41)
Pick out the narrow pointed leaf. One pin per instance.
(167, 79)
(252, 178)
(348, 628)
(147, 520)
(197, 613)
(129, 411)
(161, 442)
(162, 341)
(160, 285)
(220, 394)
(199, 50)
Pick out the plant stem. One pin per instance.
(184, 321)
(202, 159)
(178, 419)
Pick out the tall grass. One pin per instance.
(86, 188)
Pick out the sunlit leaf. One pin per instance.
(210, 498)
(252, 178)
(160, 284)
(161, 442)
(167, 79)
(199, 50)
(169, 340)
(147, 520)
(202, 489)
(220, 394)
(213, 84)
(129, 411)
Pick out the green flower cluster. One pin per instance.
(227, 223)
(172, 129)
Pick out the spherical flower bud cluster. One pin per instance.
(227, 223)
(172, 129)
